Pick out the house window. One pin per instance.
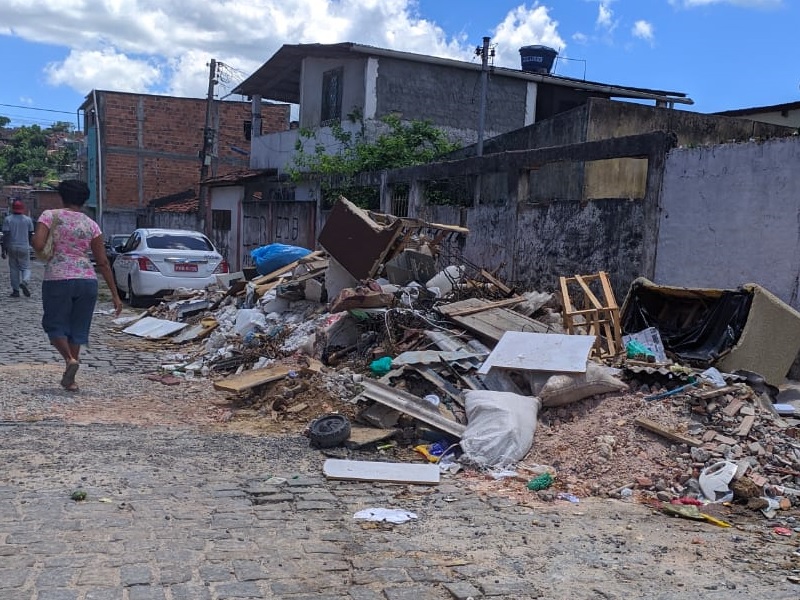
(332, 96)
(221, 220)
(248, 130)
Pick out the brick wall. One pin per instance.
(171, 133)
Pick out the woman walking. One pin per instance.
(69, 289)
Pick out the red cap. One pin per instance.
(17, 207)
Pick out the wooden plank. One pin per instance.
(362, 436)
(493, 323)
(362, 470)
(251, 379)
(409, 404)
(733, 407)
(716, 392)
(746, 426)
(673, 436)
(496, 282)
(588, 292)
(484, 306)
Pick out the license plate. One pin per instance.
(186, 268)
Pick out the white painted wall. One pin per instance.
(731, 215)
(230, 198)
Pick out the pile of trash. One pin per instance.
(422, 357)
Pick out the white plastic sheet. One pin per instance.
(390, 515)
(500, 427)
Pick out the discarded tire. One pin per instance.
(329, 430)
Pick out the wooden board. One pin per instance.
(673, 436)
(491, 324)
(251, 379)
(361, 470)
(361, 436)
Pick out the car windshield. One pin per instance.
(118, 240)
(177, 241)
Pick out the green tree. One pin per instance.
(4, 121)
(400, 145)
(26, 156)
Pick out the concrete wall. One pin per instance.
(449, 97)
(784, 118)
(625, 178)
(730, 214)
(353, 90)
(118, 222)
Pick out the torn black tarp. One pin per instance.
(748, 328)
(696, 326)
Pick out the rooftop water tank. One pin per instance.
(537, 59)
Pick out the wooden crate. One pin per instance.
(591, 309)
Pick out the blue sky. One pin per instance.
(724, 54)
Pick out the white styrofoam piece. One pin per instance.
(153, 328)
(540, 352)
(362, 470)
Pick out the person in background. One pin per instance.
(69, 289)
(17, 231)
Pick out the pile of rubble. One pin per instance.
(435, 360)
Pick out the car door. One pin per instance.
(124, 263)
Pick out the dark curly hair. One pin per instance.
(73, 192)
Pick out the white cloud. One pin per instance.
(163, 47)
(105, 69)
(523, 27)
(580, 38)
(643, 30)
(746, 3)
(26, 100)
(605, 16)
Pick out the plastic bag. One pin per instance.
(381, 366)
(567, 388)
(500, 427)
(274, 256)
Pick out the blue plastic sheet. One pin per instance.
(274, 256)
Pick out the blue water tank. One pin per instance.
(537, 59)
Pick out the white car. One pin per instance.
(155, 262)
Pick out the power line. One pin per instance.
(66, 112)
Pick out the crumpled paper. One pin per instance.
(390, 515)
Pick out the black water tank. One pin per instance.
(537, 59)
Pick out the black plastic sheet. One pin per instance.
(697, 327)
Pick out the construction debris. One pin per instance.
(621, 406)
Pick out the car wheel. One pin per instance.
(134, 300)
(329, 430)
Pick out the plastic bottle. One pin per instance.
(444, 279)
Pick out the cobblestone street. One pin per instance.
(178, 508)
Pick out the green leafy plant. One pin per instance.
(400, 144)
(26, 154)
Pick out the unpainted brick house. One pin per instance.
(141, 147)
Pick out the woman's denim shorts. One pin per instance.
(68, 308)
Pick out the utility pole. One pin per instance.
(484, 52)
(206, 154)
